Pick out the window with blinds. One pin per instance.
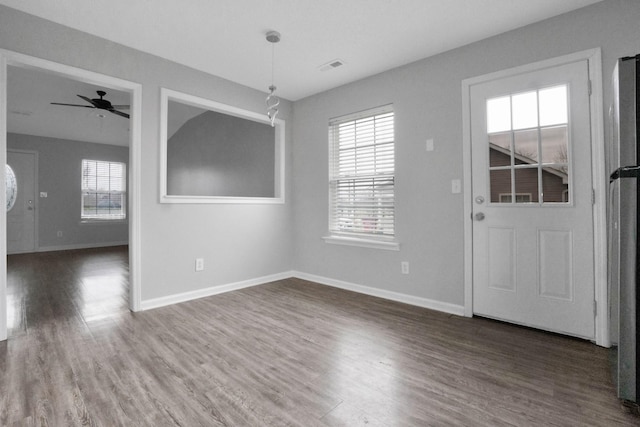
(361, 174)
(104, 190)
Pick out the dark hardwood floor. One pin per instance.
(288, 353)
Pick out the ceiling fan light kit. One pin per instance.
(99, 103)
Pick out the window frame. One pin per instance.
(104, 218)
(512, 110)
(359, 237)
(168, 95)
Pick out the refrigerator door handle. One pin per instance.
(625, 172)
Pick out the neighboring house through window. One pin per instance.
(520, 198)
(104, 190)
(362, 175)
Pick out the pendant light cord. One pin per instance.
(273, 63)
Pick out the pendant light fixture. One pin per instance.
(272, 100)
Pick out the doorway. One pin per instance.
(13, 59)
(533, 230)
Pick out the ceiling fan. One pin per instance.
(101, 104)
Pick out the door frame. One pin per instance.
(10, 58)
(36, 200)
(599, 180)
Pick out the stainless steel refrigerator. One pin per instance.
(624, 225)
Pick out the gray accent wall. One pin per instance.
(241, 242)
(427, 100)
(59, 175)
(216, 154)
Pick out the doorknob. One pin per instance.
(479, 216)
(30, 207)
(479, 200)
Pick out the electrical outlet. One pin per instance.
(429, 144)
(404, 266)
(59, 233)
(199, 264)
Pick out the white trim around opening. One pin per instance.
(10, 58)
(599, 181)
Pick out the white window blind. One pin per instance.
(361, 175)
(104, 190)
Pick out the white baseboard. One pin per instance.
(381, 293)
(213, 290)
(80, 246)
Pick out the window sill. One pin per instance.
(362, 242)
(103, 221)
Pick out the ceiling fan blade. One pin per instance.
(119, 113)
(121, 107)
(90, 101)
(72, 105)
(101, 104)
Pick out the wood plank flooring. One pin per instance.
(288, 353)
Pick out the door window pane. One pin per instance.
(555, 185)
(526, 146)
(527, 183)
(500, 149)
(553, 106)
(530, 151)
(500, 185)
(499, 114)
(525, 110)
(555, 144)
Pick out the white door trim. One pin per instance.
(36, 201)
(594, 59)
(7, 58)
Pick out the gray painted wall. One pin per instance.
(59, 174)
(242, 242)
(216, 154)
(237, 242)
(427, 100)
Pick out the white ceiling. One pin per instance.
(226, 38)
(29, 110)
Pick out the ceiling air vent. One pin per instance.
(332, 64)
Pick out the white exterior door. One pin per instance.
(533, 246)
(21, 217)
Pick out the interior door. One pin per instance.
(21, 216)
(532, 209)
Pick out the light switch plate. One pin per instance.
(456, 186)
